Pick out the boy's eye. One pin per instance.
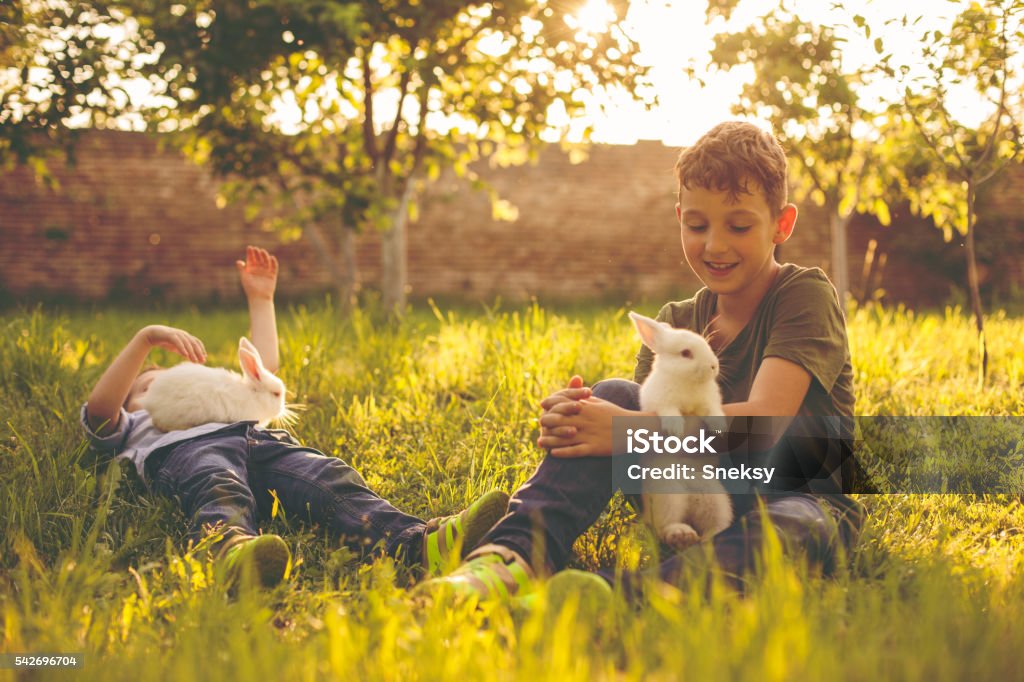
(696, 228)
(740, 228)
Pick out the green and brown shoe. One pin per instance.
(590, 594)
(463, 531)
(261, 561)
(491, 572)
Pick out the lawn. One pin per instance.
(434, 411)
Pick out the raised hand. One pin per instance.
(258, 273)
(175, 340)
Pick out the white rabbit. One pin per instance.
(682, 382)
(188, 394)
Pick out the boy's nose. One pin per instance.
(714, 244)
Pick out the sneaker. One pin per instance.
(464, 530)
(592, 595)
(492, 572)
(262, 560)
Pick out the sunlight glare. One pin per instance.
(593, 17)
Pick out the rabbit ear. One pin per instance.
(248, 345)
(250, 362)
(647, 328)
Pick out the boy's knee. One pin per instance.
(621, 392)
(805, 526)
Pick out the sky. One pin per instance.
(674, 35)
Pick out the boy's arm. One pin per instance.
(103, 408)
(778, 390)
(576, 425)
(258, 273)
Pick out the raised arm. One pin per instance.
(258, 273)
(104, 405)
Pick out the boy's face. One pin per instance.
(139, 388)
(728, 242)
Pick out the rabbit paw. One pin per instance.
(679, 536)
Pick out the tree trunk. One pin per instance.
(975, 286)
(840, 260)
(342, 269)
(394, 257)
(347, 255)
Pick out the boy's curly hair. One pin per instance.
(731, 155)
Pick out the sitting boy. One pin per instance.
(224, 476)
(780, 336)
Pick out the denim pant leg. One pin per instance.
(325, 490)
(563, 498)
(207, 476)
(806, 527)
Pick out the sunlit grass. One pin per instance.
(433, 412)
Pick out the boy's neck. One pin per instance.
(739, 307)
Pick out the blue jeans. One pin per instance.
(565, 496)
(224, 479)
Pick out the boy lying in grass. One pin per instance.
(779, 333)
(225, 476)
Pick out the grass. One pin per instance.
(433, 412)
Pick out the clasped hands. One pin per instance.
(576, 424)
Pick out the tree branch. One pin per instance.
(951, 128)
(932, 144)
(392, 141)
(993, 140)
(369, 136)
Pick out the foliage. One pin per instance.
(977, 57)
(59, 66)
(336, 110)
(434, 411)
(979, 51)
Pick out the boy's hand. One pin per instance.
(175, 340)
(575, 391)
(589, 419)
(565, 403)
(258, 273)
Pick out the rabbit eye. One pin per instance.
(687, 353)
(277, 394)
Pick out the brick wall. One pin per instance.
(132, 221)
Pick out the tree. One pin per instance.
(59, 66)
(383, 94)
(976, 58)
(813, 105)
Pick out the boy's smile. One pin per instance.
(729, 242)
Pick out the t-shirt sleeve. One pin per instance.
(645, 356)
(809, 329)
(113, 442)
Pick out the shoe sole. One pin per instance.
(489, 510)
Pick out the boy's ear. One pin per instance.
(646, 327)
(784, 224)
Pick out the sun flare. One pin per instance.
(594, 17)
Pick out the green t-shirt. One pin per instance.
(799, 319)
